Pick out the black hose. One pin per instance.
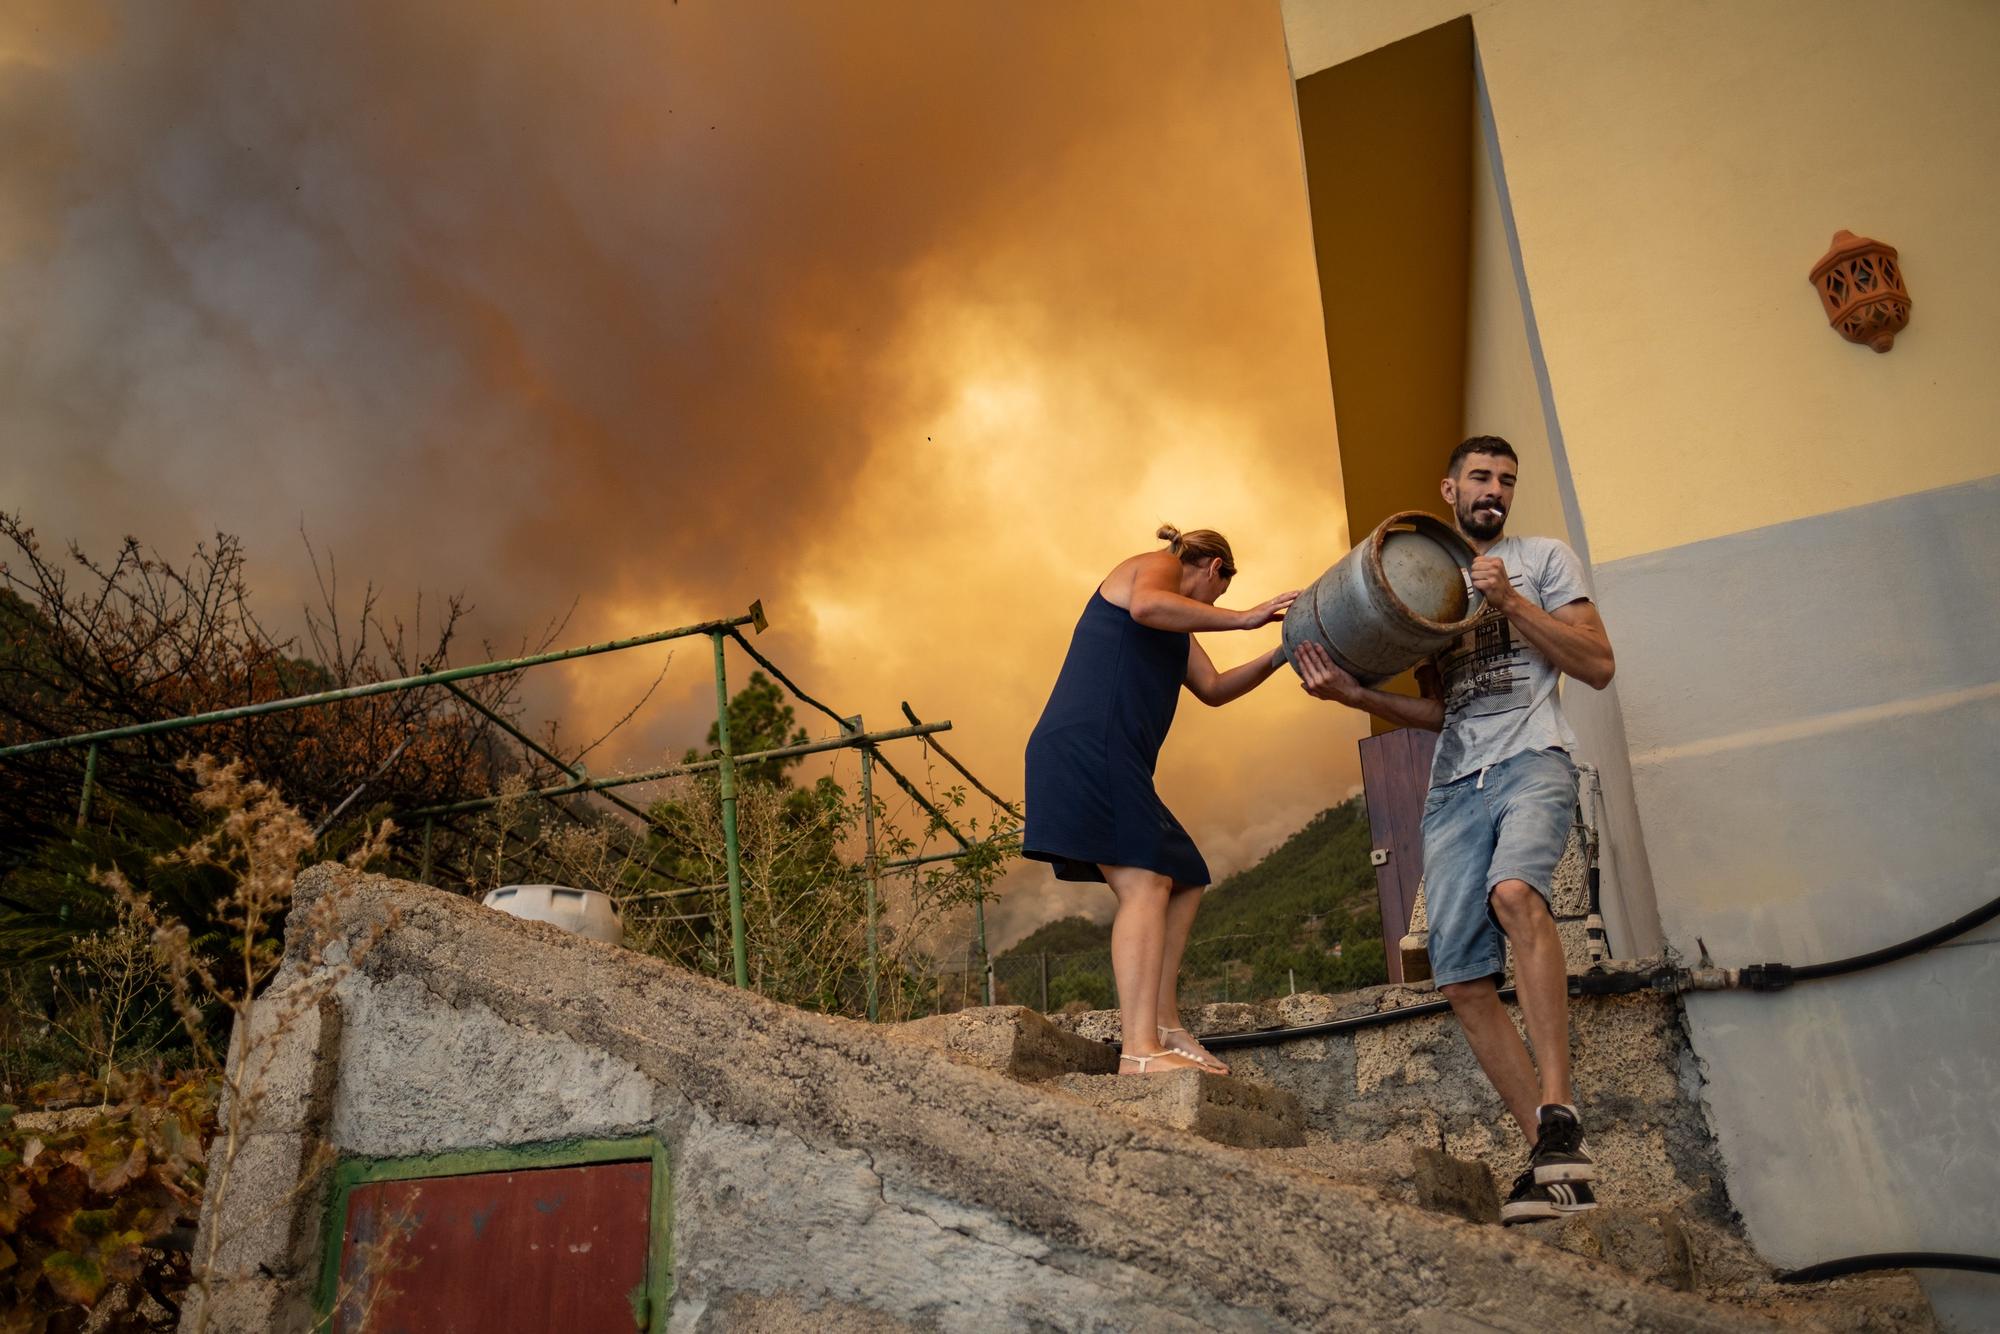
(1778, 976)
(1956, 927)
(1263, 1037)
(1753, 977)
(1861, 1264)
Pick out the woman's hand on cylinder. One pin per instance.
(1322, 677)
(1266, 612)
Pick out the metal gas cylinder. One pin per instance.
(1394, 600)
(586, 912)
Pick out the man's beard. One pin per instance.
(1484, 524)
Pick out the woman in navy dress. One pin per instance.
(1092, 810)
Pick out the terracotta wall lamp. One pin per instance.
(1861, 285)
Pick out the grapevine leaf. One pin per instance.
(75, 1278)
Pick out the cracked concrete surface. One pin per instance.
(825, 1176)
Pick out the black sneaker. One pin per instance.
(1558, 1155)
(1532, 1202)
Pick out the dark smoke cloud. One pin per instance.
(909, 318)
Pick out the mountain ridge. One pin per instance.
(1305, 916)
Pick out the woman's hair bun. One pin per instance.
(1169, 533)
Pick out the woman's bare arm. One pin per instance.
(1215, 688)
(1154, 600)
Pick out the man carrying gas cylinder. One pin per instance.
(1502, 793)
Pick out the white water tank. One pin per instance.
(587, 912)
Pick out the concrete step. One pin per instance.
(1011, 1040)
(1673, 1247)
(1225, 1110)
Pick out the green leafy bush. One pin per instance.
(87, 1198)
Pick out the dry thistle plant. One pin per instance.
(257, 844)
(112, 997)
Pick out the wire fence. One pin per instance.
(670, 862)
(1309, 956)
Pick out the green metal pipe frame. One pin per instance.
(726, 763)
(868, 815)
(965, 845)
(89, 787)
(699, 766)
(755, 616)
(978, 907)
(500, 721)
(905, 863)
(738, 945)
(575, 771)
(657, 895)
(964, 772)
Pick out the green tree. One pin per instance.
(1090, 987)
(804, 889)
(1065, 935)
(759, 719)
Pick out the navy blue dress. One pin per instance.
(1090, 759)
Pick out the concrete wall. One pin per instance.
(1787, 539)
(824, 1175)
(1818, 782)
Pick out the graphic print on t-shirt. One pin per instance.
(1500, 691)
(1483, 664)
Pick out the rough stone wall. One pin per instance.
(1379, 1093)
(828, 1177)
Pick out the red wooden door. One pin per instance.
(1395, 776)
(536, 1251)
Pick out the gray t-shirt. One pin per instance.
(1499, 691)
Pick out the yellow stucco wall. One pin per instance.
(1501, 395)
(1673, 182)
(1675, 168)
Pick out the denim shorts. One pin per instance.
(1509, 821)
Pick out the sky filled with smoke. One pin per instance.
(910, 319)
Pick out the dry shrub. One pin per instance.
(257, 841)
(111, 998)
